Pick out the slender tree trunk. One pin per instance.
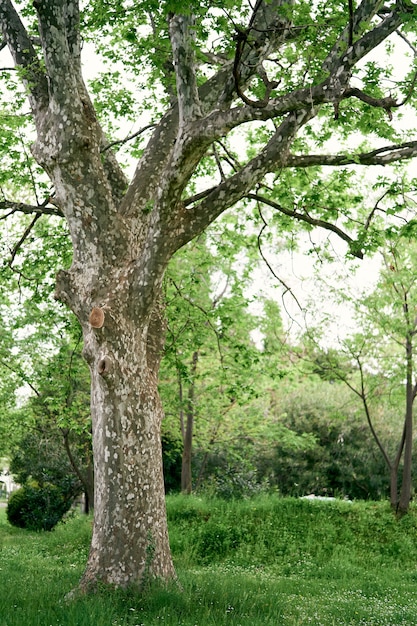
(394, 487)
(186, 469)
(89, 491)
(405, 495)
(86, 477)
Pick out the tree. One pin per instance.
(276, 68)
(56, 447)
(208, 348)
(377, 363)
(391, 309)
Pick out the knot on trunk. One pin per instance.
(104, 366)
(96, 318)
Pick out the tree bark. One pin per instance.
(130, 539)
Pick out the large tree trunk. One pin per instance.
(130, 539)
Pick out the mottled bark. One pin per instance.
(130, 540)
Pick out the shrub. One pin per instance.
(37, 508)
(234, 482)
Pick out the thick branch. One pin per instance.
(369, 41)
(362, 15)
(270, 30)
(24, 55)
(58, 27)
(180, 28)
(220, 122)
(384, 103)
(226, 194)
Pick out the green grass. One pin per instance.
(263, 562)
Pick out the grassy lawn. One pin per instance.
(268, 561)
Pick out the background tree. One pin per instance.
(54, 444)
(293, 73)
(209, 353)
(379, 363)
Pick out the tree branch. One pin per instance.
(380, 156)
(181, 35)
(385, 103)
(230, 191)
(24, 55)
(362, 394)
(370, 40)
(58, 27)
(22, 239)
(305, 217)
(21, 207)
(269, 266)
(364, 13)
(120, 142)
(270, 30)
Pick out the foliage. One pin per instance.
(38, 508)
(235, 481)
(40, 456)
(335, 455)
(55, 445)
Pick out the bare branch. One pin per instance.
(374, 210)
(380, 156)
(21, 207)
(22, 239)
(21, 374)
(305, 217)
(269, 266)
(385, 103)
(121, 142)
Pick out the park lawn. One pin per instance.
(267, 561)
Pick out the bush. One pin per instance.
(234, 482)
(37, 508)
